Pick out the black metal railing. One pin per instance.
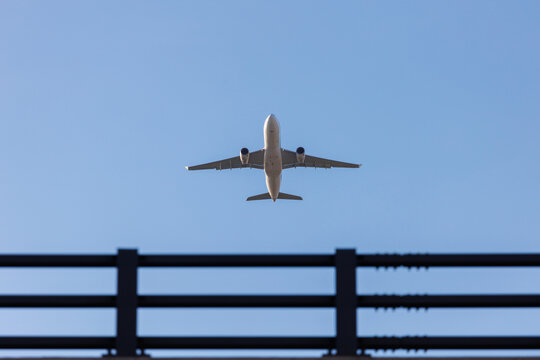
(345, 301)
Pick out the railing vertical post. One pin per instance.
(346, 335)
(126, 303)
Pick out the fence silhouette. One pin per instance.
(345, 301)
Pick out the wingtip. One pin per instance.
(187, 167)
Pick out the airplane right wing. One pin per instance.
(256, 160)
(288, 159)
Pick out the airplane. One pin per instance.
(273, 159)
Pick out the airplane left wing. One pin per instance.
(256, 160)
(288, 159)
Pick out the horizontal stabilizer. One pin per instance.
(288, 196)
(266, 196)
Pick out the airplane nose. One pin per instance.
(271, 119)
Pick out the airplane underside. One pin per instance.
(273, 159)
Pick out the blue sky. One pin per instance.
(102, 104)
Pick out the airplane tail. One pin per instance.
(266, 196)
(288, 196)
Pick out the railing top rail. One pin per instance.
(276, 260)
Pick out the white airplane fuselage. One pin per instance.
(272, 156)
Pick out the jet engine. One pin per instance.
(244, 156)
(300, 155)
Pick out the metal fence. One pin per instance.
(345, 301)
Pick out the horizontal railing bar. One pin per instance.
(56, 342)
(236, 342)
(57, 260)
(246, 260)
(236, 260)
(238, 301)
(368, 343)
(273, 301)
(450, 343)
(448, 260)
(57, 301)
(191, 301)
(367, 260)
(449, 301)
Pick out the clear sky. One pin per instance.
(102, 104)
